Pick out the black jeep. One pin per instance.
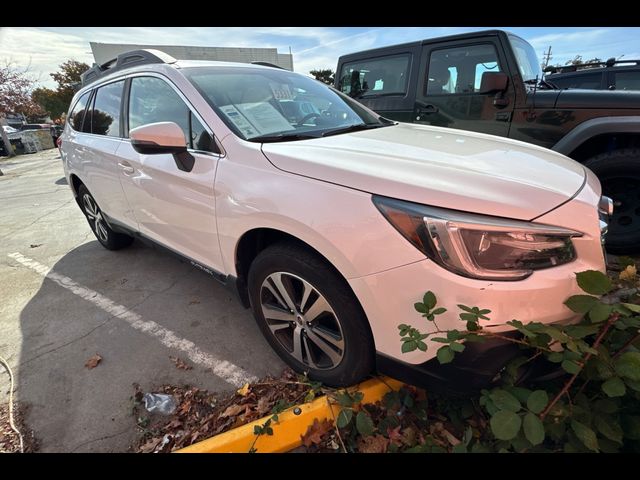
(492, 82)
(610, 75)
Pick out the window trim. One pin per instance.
(94, 94)
(90, 97)
(407, 54)
(216, 143)
(429, 52)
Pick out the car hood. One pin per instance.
(436, 166)
(593, 99)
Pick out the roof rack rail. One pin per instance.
(267, 64)
(584, 66)
(125, 60)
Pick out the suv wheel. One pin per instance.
(619, 173)
(106, 236)
(309, 315)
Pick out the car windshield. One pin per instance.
(527, 59)
(265, 105)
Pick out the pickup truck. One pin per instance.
(492, 82)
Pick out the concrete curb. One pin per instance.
(290, 427)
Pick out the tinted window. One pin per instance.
(589, 81)
(76, 117)
(386, 75)
(460, 69)
(152, 100)
(105, 115)
(628, 80)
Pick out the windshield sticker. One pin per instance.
(281, 91)
(264, 117)
(239, 121)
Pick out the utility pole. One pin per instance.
(547, 58)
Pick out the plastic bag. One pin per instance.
(159, 403)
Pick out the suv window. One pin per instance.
(460, 69)
(105, 115)
(376, 76)
(588, 81)
(627, 80)
(152, 100)
(76, 118)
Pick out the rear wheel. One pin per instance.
(309, 315)
(619, 173)
(106, 236)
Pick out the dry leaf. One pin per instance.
(93, 361)
(194, 301)
(233, 410)
(35, 245)
(629, 273)
(181, 363)
(263, 406)
(316, 431)
(373, 444)
(395, 436)
(150, 446)
(244, 390)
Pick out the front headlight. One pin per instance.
(478, 246)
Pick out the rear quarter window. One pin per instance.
(375, 76)
(76, 117)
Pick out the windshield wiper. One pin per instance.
(352, 128)
(536, 82)
(282, 137)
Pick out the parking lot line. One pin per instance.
(224, 369)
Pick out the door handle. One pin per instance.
(126, 167)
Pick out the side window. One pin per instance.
(628, 80)
(76, 117)
(105, 115)
(152, 100)
(460, 69)
(385, 75)
(589, 81)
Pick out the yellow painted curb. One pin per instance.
(290, 427)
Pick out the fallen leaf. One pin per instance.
(232, 411)
(373, 444)
(244, 390)
(194, 301)
(181, 363)
(35, 245)
(93, 361)
(316, 431)
(629, 273)
(263, 406)
(395, 436)
(150, 446)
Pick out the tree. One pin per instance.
(50, 101)
(57, 101)
(324, 75)
(15, 96)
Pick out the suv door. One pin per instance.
(451, 91)
(172, 206)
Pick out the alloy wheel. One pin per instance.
(93, 213)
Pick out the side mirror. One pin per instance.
(156, 138)
(493, 82)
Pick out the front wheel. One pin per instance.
(619, 174)
(309, 315)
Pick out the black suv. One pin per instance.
(610, 75)
(492, 82)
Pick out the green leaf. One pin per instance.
(581, 303)
(632, 384)
(465, 308)
(522, 394)
(614, 387)
(344, 399)
(357, 397)
(344, 417)
(445, 354)
(409, 346)
(469, 317)
(537, 401)
(505, 401)
(570, 366)
(533, 428)
(505, 425)
(422, 346)
(609, 427)
(585, 435)
(605, 405)
(633, 307)
(555, 357)
(440, 340)
(456, 347)
(460, 448)
(600, 312)
(627, 365)
(364, 424)
(420, 307)
(594, 282)
(473, 326)
(581, 331)
(429, 300)
(453, 335)
(439, 311)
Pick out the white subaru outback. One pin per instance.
(328, 220)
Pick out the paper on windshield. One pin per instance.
(256, 118)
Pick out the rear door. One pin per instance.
(450, 87)
(176, 208)
(385, 82)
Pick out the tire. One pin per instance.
(106, 236)
(344, 361)
(619, 174)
